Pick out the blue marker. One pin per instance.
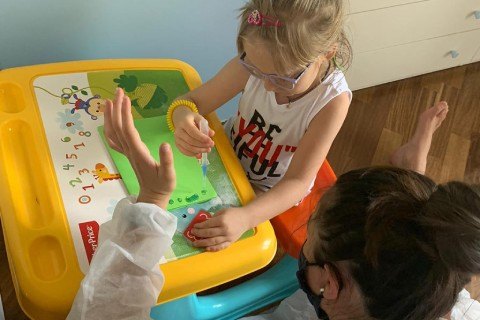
(204, 161)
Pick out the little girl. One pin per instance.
(294, 101)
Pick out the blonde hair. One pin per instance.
(309, 29)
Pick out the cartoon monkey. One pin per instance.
(94, 106)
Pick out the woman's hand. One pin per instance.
(188, 138)
(156, 180)
(223, 229)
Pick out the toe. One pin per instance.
(441, 107)
(443, 114)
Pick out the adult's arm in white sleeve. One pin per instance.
(124, 279)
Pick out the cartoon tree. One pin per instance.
(143, 95)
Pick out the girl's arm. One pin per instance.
(227, 226)
(225, 85)
(230, 81)
(306, 162)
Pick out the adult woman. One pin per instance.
(384, 243)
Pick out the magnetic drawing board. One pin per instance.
(153, 132)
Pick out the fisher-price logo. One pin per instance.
(89, 231)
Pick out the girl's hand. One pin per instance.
(188, 138)
(157, 180)
(224, 228)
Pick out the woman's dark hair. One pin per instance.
(411, 245)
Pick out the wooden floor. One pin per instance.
(380, 120)
(383, 118)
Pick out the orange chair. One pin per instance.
(291, 226)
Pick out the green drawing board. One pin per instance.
(154, 131)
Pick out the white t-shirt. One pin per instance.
(265, 134)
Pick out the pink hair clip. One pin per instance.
(257, 19)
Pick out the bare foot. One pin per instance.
(413, 154)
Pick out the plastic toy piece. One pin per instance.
(204, 159)
(200, 217)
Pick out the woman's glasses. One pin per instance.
(279, 81)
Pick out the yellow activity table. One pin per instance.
(59, 183)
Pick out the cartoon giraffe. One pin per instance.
(102, 174)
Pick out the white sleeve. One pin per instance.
(466, 308)
(295, 307)
(124, 279)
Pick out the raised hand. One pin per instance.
(188, 138)
(156, 180)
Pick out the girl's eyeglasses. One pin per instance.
(279, 81)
